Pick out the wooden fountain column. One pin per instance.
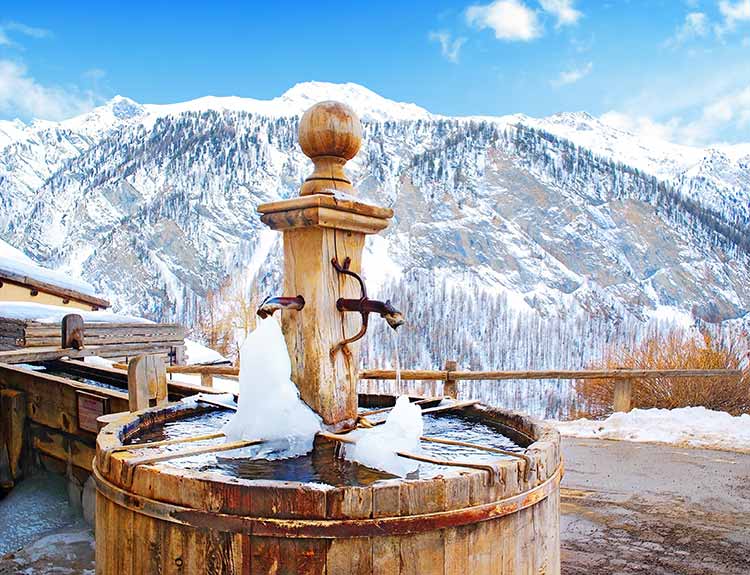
(324, 223)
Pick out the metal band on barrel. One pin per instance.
(327, 528)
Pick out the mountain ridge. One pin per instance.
(155, 205)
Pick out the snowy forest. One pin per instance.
(512, 247)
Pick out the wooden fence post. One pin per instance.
(207, 379)
(147, 382)
(450, 387)
(71, 328)
(623, 394)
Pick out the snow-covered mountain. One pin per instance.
(559, 216)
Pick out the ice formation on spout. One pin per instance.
(377, 447)
(269, 406)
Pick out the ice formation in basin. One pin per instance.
(378, 447)
(269, 406)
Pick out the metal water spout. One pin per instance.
(272, 304)
(364, 306)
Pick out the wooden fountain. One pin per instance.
(154, 517)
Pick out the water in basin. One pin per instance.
(322, 465)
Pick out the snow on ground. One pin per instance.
(223, 384)
(685, 426)
(53, 313)
(37, 505)
(15, 261)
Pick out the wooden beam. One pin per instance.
(166, 340)
(51, 400)
(548, 374)
(343, 204)
(63, 446)
(201, 369)
(445, 375)
(406, 374)
(37, 354)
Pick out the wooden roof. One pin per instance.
(66, 293)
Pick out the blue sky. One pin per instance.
(676, 69)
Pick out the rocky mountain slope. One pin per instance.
(559, 218)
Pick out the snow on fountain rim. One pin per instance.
(269, 406)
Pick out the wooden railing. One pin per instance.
(623, 377)
(450, 376)
(207, 372)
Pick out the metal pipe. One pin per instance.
(365, 305)
(272, 304)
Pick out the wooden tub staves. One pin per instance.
(166, 519)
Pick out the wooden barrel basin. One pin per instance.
(166, 518)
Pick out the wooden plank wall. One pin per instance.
(34, 334)
(164, 339)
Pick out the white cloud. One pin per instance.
(728, 112)
(511, 20)
(573, 76)
(563, 10)
(694, 26)
(449, 48)
(642, 125)
(8, 29)
(30, 31)
(734, 12)
(20, 94)
(731, 109)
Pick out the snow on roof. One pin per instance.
(16, 262)
(200, 354)
(44, 313)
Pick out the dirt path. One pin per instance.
(638, 508)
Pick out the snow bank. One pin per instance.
(687, 426)
(200, 354)
(53, 313)
(377, 447)
(96, 361)
(269, 406)
(15, 261)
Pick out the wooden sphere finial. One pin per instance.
(330, 134)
